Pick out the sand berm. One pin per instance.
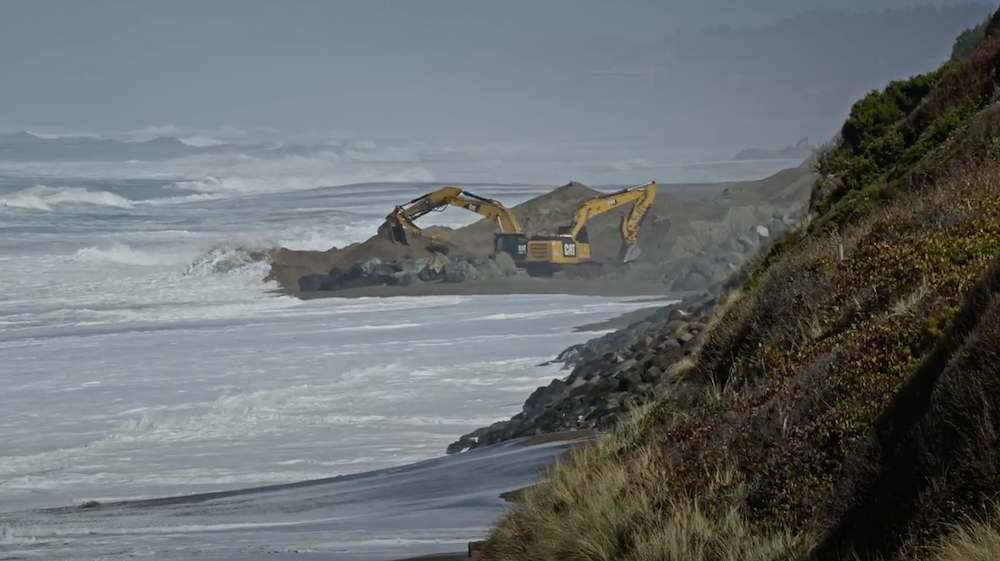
(693, 237)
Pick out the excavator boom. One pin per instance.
(643, 195)
(490, 209)
(400, 223)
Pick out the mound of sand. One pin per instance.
(675, 235)
(545, 212)
(287, 265)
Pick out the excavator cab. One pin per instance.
(514, 244)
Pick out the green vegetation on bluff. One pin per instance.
(845, 403)
(968, 40)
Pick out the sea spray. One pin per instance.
(226, 257)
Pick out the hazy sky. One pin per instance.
(433, 67)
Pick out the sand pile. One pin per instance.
(542, 213)
(545, 212)
(287, 265)
(685, 244)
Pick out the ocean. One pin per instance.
(143, 358)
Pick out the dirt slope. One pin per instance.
(287, 265)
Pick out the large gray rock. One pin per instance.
(733, 245)
(434, 270)
(703, 267)
(692, 281)
(369, 266)
(314, 283)
(406, 279)
(777, 227)
(734, 258)
(506, 263)
(544, 394)
(413, 266)
(611, 374)
(383, 273)
(490, 270)
(406, 272)
(461, 271)
(749, 241)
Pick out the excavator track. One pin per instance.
(583, 269)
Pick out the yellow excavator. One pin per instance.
(570, 245)
(400, 224)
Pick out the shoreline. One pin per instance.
(582, 435)
(647, 292)
(621, 321)
(618, 322)
(604, 288)
(627, 319)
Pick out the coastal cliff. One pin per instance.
(840, 396)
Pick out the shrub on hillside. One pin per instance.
(968, 40)
(890, 133)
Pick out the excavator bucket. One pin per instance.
(394, 232)
(399, 234)
(629, 253)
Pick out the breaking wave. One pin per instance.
(41, 197)
(201, 141)
(263, 183)
(219, 259)
(127, 255)
(312, 238)
(224, 258)
(233, 173)
(235, 185)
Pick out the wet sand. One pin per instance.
(511, 496)
(440, 557)
(635, 316)
(527, 285)
(620, 322)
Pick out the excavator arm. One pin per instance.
(642, 196)
(490, 209)
(402, 220)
